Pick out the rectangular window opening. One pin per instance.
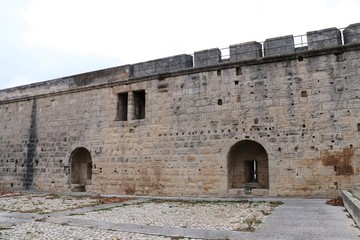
(238, 71)
(122, 107)
(139, 104)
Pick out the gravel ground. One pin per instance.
(32, 203)
(25, 212)
(49, 231)
(230, 216)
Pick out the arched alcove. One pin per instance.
(248, 164)
(80, 169)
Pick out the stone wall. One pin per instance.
(300, 105)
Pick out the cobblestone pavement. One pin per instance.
(231, 216)
(40, 203)
(50, 216)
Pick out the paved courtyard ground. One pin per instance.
(53, 216)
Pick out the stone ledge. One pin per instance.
(352, 205)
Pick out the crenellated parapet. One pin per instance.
(271, 48)
(245, 51)
(162, 65)
(326, 38)
(352, 34)
(281, 46)
(207, 57)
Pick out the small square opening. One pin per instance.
(304, 94)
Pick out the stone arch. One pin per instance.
(80, 169)
(248, 165)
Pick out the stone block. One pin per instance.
(245, 51)
(207, 57)
(352, 205)
(163, 65)
(352, 33)
(279, 46)
(326, 38)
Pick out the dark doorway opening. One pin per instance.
(248, 165)
(80, 169)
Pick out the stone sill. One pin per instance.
(352, 205)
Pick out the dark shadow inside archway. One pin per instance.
(80, 169)
(248, 165)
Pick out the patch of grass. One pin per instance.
(40, 219)
(251, 223)
(76, 214)
(5, 228)
(38, 203)
(198, 202)
(353, 195)
(53, 196)
(275, 203)
(103, 209)
(34, 210)
(2, 208)
(265, 212)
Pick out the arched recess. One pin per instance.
(248, 164)
(80, 169)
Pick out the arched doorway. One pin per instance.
(80, 169)
(248, 165)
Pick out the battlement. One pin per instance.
(242, 53)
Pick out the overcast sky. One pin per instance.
(46, 39)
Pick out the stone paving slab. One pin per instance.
(307, 219)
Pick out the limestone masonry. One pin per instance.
(277, 118)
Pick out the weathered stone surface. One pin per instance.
(207, 57)
(74, 82)
(352, 33)
(290, 124)
(245, 51)
(326, 38)
(279, 46)
(162, 65)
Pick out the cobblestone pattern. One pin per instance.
(230, 216)
(201, 215)
(48, 231)
(43, 204)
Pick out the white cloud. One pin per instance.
(135, 30)
(65, 34)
